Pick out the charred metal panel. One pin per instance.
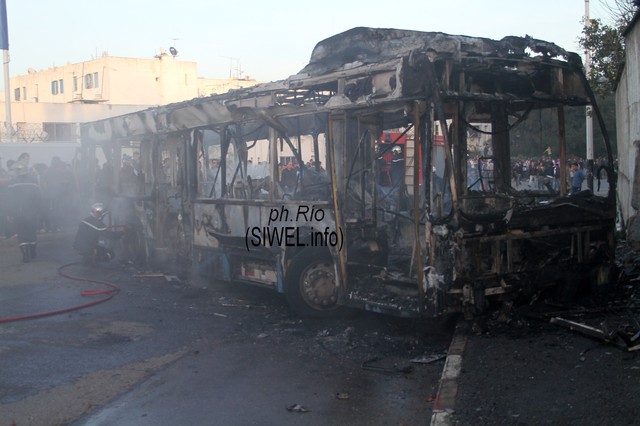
(197, 115)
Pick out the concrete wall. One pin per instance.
(628, 126)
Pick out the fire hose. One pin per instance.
(106, 293)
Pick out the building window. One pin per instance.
(75, 83)
(54, 87)
(24, 93)
(16, 94)
(61, 85)
(88, 81)
(95, 80)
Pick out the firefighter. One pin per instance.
(397, 167)
(25, 206)
(91, 231)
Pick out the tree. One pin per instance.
(606, 44)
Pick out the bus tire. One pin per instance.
(311, 287)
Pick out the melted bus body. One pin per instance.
(358, 182)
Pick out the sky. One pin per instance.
(264, 40)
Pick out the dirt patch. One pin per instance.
(128, 330)
(64, 404)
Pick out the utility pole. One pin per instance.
(4, 45)
(588, 110)
(231, 60)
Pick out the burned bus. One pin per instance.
(379, 177)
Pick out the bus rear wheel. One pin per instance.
(311, 287)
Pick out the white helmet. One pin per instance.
(98, 211)
(396, 149)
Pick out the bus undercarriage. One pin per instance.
(379, 177)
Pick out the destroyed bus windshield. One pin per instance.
(401, 172)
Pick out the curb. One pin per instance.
(448, 387)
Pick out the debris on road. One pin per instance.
(615, 321)
(428, 359)
(615, 336)
(149, 275)
(367, 365)
(169, 278)
(297, 408)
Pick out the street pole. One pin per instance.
(588, 109)
(4, 46)
(7, 95)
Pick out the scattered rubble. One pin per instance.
(613, 317)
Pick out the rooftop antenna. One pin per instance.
(231, 59)
(172, 49)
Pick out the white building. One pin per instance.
(48, 105)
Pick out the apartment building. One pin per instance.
(49, 105)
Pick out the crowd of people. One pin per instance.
(33, 198)
(545, 173)
(536, 174)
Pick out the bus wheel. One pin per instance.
(311, 287)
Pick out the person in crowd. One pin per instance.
(25, 204)
(58, 184)
(578, 175)
(288, 178)
(23, 159)
(517, 173)
(104, 182)
(131, 176)
(533, 173)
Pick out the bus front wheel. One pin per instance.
(311, 287)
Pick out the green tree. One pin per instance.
(605, 42)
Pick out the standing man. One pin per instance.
(578, 175)
(289, 177)
(25, 204)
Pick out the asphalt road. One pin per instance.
(536, 374)
(189, 352)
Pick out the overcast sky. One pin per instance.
(266, 40)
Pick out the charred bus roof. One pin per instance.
(381, 69)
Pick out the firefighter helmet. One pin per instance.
(397, 150)
(98, 211)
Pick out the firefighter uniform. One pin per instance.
(90, 230)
